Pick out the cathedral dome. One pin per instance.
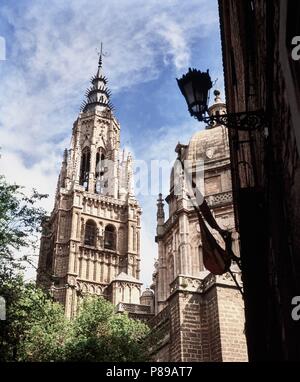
(209, 144)
(199, 143)
(147, 293)
(147, 298)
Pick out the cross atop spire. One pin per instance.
(100, 55)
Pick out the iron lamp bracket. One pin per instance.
(243, 121)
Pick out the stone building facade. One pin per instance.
(91, 242)
(262, 73)
(198, 316)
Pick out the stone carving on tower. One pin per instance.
(91, 242)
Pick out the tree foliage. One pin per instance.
(35, 327)
(100, 334)
(36, 330)
(20, 221)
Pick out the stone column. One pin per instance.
(98, 271)
(68, 303)
(184, 245)
(162, 277)
(92, 169)
(72, 257)
(83, 266)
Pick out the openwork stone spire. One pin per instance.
(98, 94)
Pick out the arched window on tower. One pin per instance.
(90, 233)
(110, 237)
(99, 172)
(85, 168)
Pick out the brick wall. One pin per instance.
(231, 325)
(160, 336)
(201, 327)
(191, 329)
(211, 321)
(175, 328)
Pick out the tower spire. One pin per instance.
(98, 95)
(100, 56)
(160, 209)
(160, 215)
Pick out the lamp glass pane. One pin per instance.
(195, 108)
(189, 93)
(199, 95)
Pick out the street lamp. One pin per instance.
(195, 87)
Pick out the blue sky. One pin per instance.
(50, 57)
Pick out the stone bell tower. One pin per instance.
(91, 242)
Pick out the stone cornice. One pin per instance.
(103, 199)
(87, 251)
(125, 283)
(213, 201)
(190, 284)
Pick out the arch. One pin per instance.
(85, 167)
(90, 233)
(99, 290)
(110, 237)
(84, 288)
(100, 161)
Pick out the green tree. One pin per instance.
(26, 305)
(35, 328)
(100, 335)
(20, 222)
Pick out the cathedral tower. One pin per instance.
(198, 316)
(91, 241)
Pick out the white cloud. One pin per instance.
(176, 45)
